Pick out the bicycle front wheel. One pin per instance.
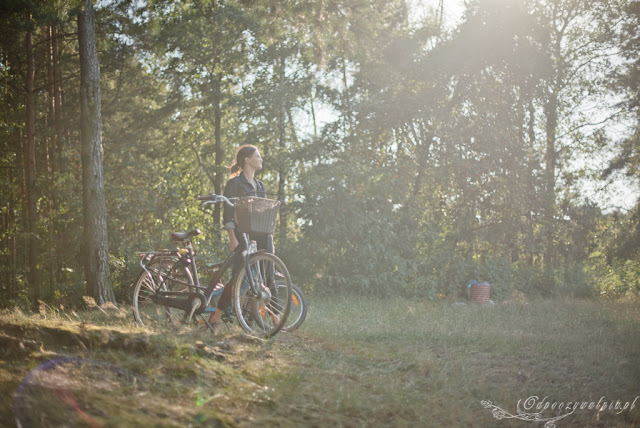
(164, 274)
(265, 313)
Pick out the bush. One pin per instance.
(622, 277)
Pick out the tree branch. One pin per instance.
(204, 169)
(584, 125)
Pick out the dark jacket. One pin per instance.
(236, 187)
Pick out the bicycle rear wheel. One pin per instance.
(265, 314)
(298, 311)
(164, 274)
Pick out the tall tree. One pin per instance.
(627, 83)
(30, 158)
(95, 212)
(577, 44)
(203, 55)
(626, 246)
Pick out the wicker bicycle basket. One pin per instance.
(256, 215)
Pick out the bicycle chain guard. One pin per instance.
(181, 300)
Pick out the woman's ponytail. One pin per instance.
(235, 169)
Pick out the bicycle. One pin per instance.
(299, 306)
(169, 291)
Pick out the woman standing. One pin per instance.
(242, 183)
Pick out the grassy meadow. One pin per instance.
(355, 362)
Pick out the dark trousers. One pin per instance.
(264, 242)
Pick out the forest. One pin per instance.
(412, 151)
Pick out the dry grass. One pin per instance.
(355, 362)
(405, 363)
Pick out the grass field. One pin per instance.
(355, 362)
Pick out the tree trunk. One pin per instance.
(219, 152)
(551, 152)
(30, 161)
(95, 212)
(347, 97)
(59, 139)
(313, 115)
(52, 148)
(52, 108)
(423, 152)
(551, 114)
(22, 256)
(282, 168)
(63, 135)
(57, 97)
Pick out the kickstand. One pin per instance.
(213, 330)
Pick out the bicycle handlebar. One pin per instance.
(214, 199)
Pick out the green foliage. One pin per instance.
(616, 280)
(613, 263)
(410, 160)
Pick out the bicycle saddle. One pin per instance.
(183, 236)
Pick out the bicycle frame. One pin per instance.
(249, 249)
(199, 297)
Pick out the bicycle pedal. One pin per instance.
(195, 323)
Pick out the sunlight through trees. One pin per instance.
(413, 150)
